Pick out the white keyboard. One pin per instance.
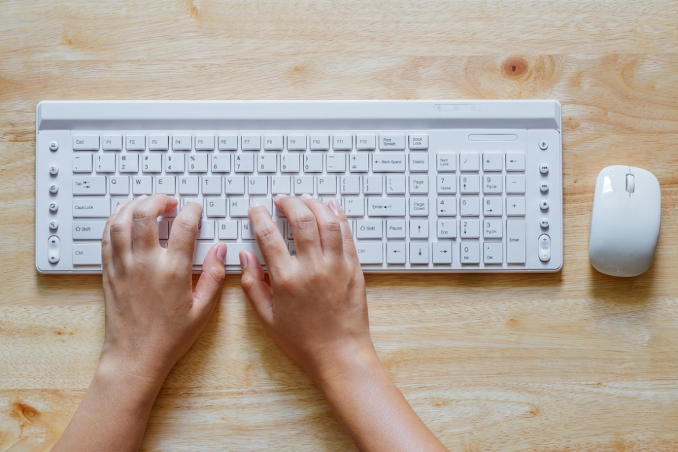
(428, 186)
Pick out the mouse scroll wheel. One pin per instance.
(630, 183)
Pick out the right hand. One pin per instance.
(316, 307)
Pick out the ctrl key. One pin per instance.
(87, 254)
(370, 253)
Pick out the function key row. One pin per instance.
(361, 142)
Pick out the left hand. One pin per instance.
(153, 316)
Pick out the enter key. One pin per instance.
(515, 241)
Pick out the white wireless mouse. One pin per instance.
(625, 221)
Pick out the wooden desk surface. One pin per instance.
(567, 362)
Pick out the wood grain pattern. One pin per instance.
(575, 361)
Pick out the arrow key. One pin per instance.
(395, 253)
(418, 229)
(442, 252)
(419, 253)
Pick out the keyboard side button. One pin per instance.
(395, 253)
(53, 250)
(515, 241)
(442, 252)
(370, 252)
(419, 253)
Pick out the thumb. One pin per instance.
(213, 274)
(255, 287)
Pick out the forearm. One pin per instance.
(112, 416)
(372, 409)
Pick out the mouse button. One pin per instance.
(630, 183)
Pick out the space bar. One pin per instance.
(234, 249)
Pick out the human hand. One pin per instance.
(153, 316)
(316, 307)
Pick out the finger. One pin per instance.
(106, 246)
(348, 243)
(121, 233)
(255, 287)
(272, 246)
(328, 227)
(304, 226)
(181, 242)
(209, 285)
(145, 221)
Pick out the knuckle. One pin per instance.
(331, 226)
(217, 274)
(266, 233)
(304, 220)
(117, 230)
(141, 213)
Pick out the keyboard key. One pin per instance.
(303, 184)
(142, 185)
(470, 229)
(82, 163)
(418, 142)
(327, 185)
(373, 185)
(493, 206)
(174, 163)
(221, 163)
(204, 142)
(446, 206)
(129, 163)
(281, 185)
(469, 162)
(395, 229)
(418, 207)
(336, 163)
(118, 185)
(257, 185)
(289, 163)
(493, 229)
(273, 143)
(313, 163)
(469, 206)
(395, 185)
(150, 163)
(515, 184)
(197, 163)
(211, 185)
(446, 162)
(418, 229)
(205, 230)
(267, 163)
(88, 230)
(158, 143)
(419, 162)
(112, 143)
(165, 185)
(86, 143)
(395, 253)
(492, 184)
(515, 206)
(243, 163)
(369, 229)
(392, 142)
(350, 185)
(238, 207)
(228, 143)
(342, 142)
(419, 185)
(135, 143)
(469, 185)
(89, 185)
(386, 207)
(234, 185)
(442, 252)
(163, 229)
(228, 230)
(87, 254)
(419, 253)
(355, 207)
(232, 259)
(515, 241)
(296, 142)
(446, 185)
(251, 143)
(369, 252)
(388, 162)
(91, 207)
(320, 142)
(188, 185)
(365, 142)
(492, 252)
(447, 229)
(115, 202)
(470, 253)
(216, 208)
(358, 163)
(493, 161)
(515, 161)
(246, 231)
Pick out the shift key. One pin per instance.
(386, 207)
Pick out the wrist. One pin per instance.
(345, 362)
(115, 369)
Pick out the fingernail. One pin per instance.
(221, 253)
(279, 197)
(243, 260)
(306, 196)
(254, 204)
(142, 197)
(117, 208)
(335, 205)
